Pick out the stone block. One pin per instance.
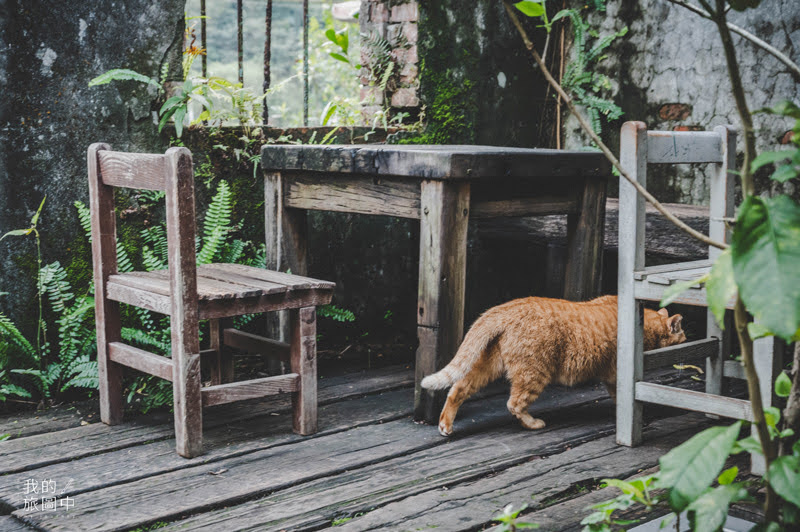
(406, 97)
(371, 96)
(378, 13)
(405, 12)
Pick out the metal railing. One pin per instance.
(267, 51)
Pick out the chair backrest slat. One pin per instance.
(133, 170)
(674, 147)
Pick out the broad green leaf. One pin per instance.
(750, 444)
(170, 104)
(783, 385)
(769, 157)
(35, 218)
(180, 113)
(784, 477)
(689, 469)
(785, 173)
(202, 100)
(530, 8)
(328, 112)
(709, 511)
(765, 249)
(757, 330)
(721, 287)
(728, 476)
(675, 290)
(122, 74)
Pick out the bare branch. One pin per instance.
(606, 151)
(780, 56)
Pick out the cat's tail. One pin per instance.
(475, 342)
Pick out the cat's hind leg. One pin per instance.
(522, 395)
(484, 371)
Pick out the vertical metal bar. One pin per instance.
(240, 42)
(203, 40)
(267, 59)
(305, 62)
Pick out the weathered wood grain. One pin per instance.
(585, 243)
(172, 494)
(133, 170)
(104, 265)
(674, 147)
(687, 353)
(10, 524)
(77, 442)
(434, 162)
(52, 419)
(303, 361)
(473, 504)
(141, 360)
(230, 392)
(692, 400)
(442, 278)
(223, 442)
(252, 343)
(382, 196)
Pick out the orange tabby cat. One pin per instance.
(536, 341)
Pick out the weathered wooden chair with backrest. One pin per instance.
(637, 282)
(188, 293)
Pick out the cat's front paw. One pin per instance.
(445, 429)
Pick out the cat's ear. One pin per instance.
(674, 323)
(664, 312)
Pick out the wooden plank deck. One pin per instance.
(369, 466)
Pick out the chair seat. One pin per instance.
(223, 290)
(651, 282)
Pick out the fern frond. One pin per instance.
(15, 349)
(85, 219)
(82, 375)
(152, 339)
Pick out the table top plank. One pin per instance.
(434, 161)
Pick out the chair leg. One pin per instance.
(304, 363)
(630, 364)
(222, 361)
(109, 373)
(768, 360)
(715, 365)
(186, 389)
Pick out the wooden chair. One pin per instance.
(637, 283)
(188, 293)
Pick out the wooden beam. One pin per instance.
(141, 360)
(696, 401)
(382, 195)
(303, 324)
(585, 236)
(133, 170)
(253, 389)
(688, 353)
(533, 206)
(674, 147)
(734, 370)
(253, 343)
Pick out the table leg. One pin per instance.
(287, 244)
(442, 274)
(585, 235)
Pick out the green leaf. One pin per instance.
(728, 476)
(17, 232)
(741, 5)
(783, 108)
(180, 113)
(675, 290)
(170, 103)
(710, 510)
(751, 444)
(721, 287)
(690, 468)
(766, 251)
(769, 157)
(530, 8)
(757, 330)
(783, 385)
(785, 173)
(122, 74)
(626, 487)
(35, 218)
(339, 57)
(784, 477)
(772, 415)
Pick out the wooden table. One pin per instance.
(442, 187)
